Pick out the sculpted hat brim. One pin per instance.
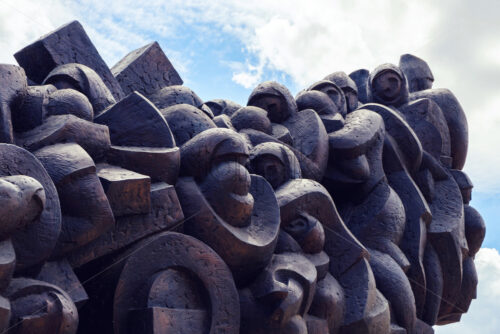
(311, 197)
(247, 249)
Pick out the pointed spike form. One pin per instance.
(146, 70)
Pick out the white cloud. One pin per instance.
(308, 41)
(484, 138)
(483, 312)
(305, 41)
(24, 21)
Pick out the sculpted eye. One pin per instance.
(296, 226)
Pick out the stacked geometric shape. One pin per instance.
(343, 210)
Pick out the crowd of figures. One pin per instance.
(129, 205)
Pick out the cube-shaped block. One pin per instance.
(68, 44)
(146, 70)
(128, 192)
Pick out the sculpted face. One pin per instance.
(387, 85)
(334, 93)
(271, 168)
(307, 231)
(276, 107)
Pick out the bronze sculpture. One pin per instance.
(130, 205)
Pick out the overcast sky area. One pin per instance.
(223, 49)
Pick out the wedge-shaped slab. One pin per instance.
(427, 120)
(406, 139)
(455, 117)
(367, 311)
(13, 86)
(418, 217)
(161, 164)
(134, 121)
(165, 213)
(128, 192)
(446, 233)
(67, 44)
(94, 138)
(146, 70)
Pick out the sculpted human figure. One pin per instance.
(474, 232)
(26, 305)
(86, 212)
(402, 156)
(304, 129)
(130, 205)
(176, 94)
(446, 248)
(217, 192)
(300, 231)
(446, 232)
(371, 208)
(275, 162)
(387, 85)
(22, 200)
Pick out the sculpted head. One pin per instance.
(348, 86)
(306, 230)
(417, 72)
(388, 85)
(209, 148)
(334, 92)
(275, 162)
(275, 99)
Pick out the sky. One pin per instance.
(222, 49)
